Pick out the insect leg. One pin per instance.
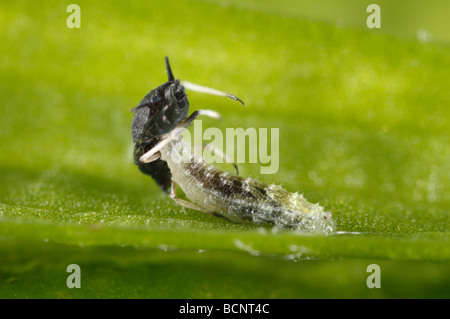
(152, 154)
(175, 133)
(184, 203)
(196, 114)
(207, 90)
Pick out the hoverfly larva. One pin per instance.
(158, 122)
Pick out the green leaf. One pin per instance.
(363, 119)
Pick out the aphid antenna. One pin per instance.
(203, 89)
(171, 79)
(169, 70)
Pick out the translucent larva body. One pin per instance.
(160, 152)
(241, 199)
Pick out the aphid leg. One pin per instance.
(207, 90)
(184, 203)
(152, 154)
(154, 157)
(219, 152)
(175, 133)
(196, 114)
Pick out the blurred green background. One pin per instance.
(363, 117)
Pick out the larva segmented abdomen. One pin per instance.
(245, 199)
(269, 204)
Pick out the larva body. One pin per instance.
(241, 199)
(160, 152)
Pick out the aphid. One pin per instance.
(158, 122)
